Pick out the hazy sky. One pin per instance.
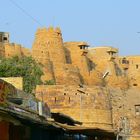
(99, 22)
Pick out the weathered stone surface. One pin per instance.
(123, 106)
(12, 49)
(89, 105)
(95, 85)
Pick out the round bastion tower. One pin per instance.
(48, 50)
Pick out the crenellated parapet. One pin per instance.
(48, 49)
(8, 49)
(12, 49)
(91, 85)
(49, 40)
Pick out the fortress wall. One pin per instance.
(69, 65)
(68, 55)
(72, 75)
(2, 50)
(133, 60)
(8, 49)
(105, 59)
(77, 57)
(134, 70)
(89, 105)
(131, 69)
(123, 104)
(102, 52)
(49, 40)
(59, 73)
(39, 49)
(48, 50)
(25, 51)
(48, 45)
(41, 55)
(133, 63)
(48, 70)
(121, 82)
(12, 50)
(95, 78)
(75, 52)
(116, 77)
(66, 74)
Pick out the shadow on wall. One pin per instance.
(118, 71)
(91, 64)
(68, 56)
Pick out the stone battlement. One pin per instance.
(49, 32)
(88, 81)
(12, 49)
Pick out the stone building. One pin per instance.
(93, 85)
(48, 49)
(84, 78)
(89, 105)
(8, 49)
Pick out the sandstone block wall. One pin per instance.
(8, 49)
(89, 105)
(100, 66)
(77, 55)
(12, 49)
(49, 40)
(71, 64)
(67, 74)
(2, 51)
(48, 49)
(123, 104)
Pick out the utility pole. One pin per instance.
(80, 107)
(81, 93)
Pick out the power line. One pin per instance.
(25, 12)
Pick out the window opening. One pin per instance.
(69, 99)
(5, 38)
(55, 99)
(137, 110)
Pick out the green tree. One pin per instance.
(25, 67)
(49, 82)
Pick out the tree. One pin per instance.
(25, 67)
(49, 82)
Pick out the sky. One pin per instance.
(99, 22)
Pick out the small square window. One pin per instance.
(5, 38)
